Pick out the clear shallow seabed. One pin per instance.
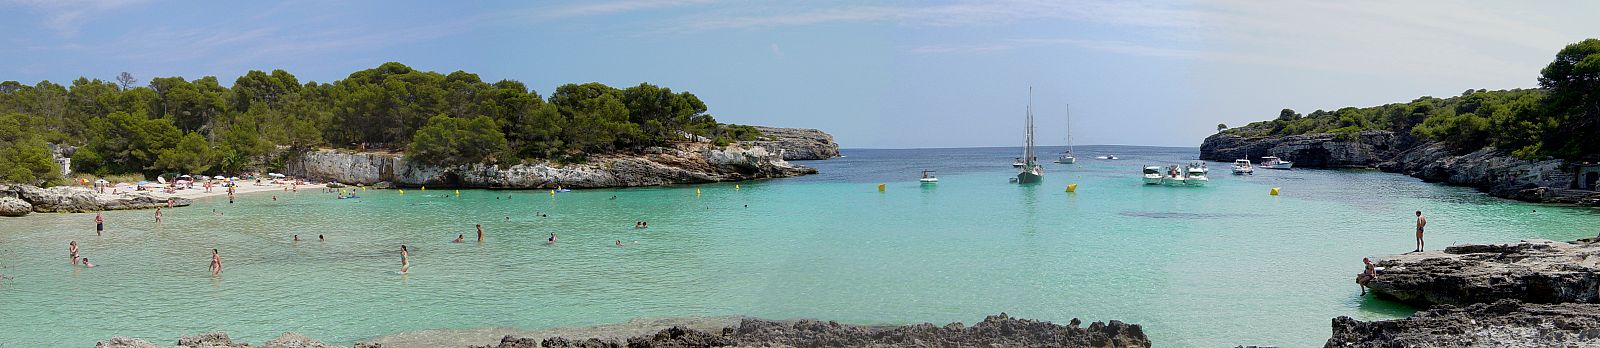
(1220, 265)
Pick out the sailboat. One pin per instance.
(1032, 172)
(1066, 157)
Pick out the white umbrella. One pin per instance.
(219, 177)
(275, 175)
(102, 181)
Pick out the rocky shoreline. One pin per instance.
(1533, 293)
(1489, 170)
(19, 200)
(994, 331)
(680, 163)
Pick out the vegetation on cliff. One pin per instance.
(178, 125)
(1561, 118)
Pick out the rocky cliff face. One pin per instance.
(18, 200)
(1506, 323)
(1537, 271)
(797, 143)
(1489, 169)
(680, 164)
(1325, 150)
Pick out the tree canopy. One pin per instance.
(177, 124)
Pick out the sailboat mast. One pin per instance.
(1069, 128)
(1029, 159)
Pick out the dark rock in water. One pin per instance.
(994, 331)
(1505, 323)
(208, 340)
(69, 199)
(1535, 271)
(124, 342)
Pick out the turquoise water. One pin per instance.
(1220, 265)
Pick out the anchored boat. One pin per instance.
(1031, 172)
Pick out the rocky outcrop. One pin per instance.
(13, 207)
(221, 340)
(69, 199)
(680, 164)
(1322, 150)
(1506, 323)
(1536, 271)
(994, 331)
(796, 143)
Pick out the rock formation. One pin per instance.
(13, 206)
(680, 164)
(221, 340)
(1324, 150)
(1536, 271)
(994, 331)
(1505, 323)
(70, 199)
(796, 143)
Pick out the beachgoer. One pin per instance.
(613, 198)
(320, 239)
(274, 197)
(158, 215)
(99, 223)
(86, 263)
(405, 259)
(216, 262)
(1421, 222)
(459, 238)
(1366, 275)
(480, 231)
(644, 224)
(171, 201)
(552, 239)
(297, 238)
(72, 250)
(619, 243)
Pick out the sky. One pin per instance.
(890, 74)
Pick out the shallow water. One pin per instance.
(1220, 265)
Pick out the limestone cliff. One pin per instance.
(681, 163)
(1323, 150)
(18, 200)
(797, 143)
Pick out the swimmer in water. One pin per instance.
(552, 239)
(158, 215)
(99, 223)
(459, 238)
(405, 259)
(297, 238)
(72, 250)
(86, 263)
(320, 239)
(274, 198)
(614, 198)
(216, 263)
(619, 243)
(480, 231)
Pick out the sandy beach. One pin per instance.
(246, 187)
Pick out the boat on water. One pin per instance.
(1152, 175)
(1107, 157)
(1030, 172)
(1017, 163)
(1066, 157)
(1242, 166)
(1271, 162)
(1196, 174)
(928, 177)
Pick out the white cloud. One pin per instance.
(1141, 14)
(66, 16)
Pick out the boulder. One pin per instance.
(1505, 323)
(12, 206)
(208, 340)
(994, 331)
(1535, 271)
(124, 342)
(295, 340)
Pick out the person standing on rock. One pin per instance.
(99, 223)
(1421, 222)
(216, 263)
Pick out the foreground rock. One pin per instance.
(221, 340)
(1536, 271)
(69, 199)
(796, 143)
(1506, 323)
(13, 206)
(682, 163)
(994, 331)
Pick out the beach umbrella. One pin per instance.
(142, 182)
(275, 175)
(233, 178)
(102, 181)
(219, 177)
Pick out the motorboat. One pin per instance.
(1152, 175)
(1018, 163)
(928, 178)
(1107, 157)
(1242, 166)
(1195, 175)
(1271, 162)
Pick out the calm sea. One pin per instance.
(1221, 265)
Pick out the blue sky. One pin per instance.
(891, 74)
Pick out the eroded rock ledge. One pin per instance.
(221, 340)
(797, 143)
(1534, 271)
(994, 331)
(19, 200)
(1505, 323)
(682, 163)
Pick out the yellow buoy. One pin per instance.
(402, 192)
(1274, 191)
(363, 189)
(880, 187)
(1072, 187)
(697, 192)
(458, 193)
(424, 188)
(735, 187)
(552, 193)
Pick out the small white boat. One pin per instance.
(1107, 157)
(928, 177)
(1271, 162)
(1018, 163)
(1066, 157)
(1152, 175)
(1242, 167)
(1195, 175)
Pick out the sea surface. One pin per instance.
(1221, 265)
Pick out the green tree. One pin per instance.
(1573, 80)
(192, 154)
(450, 141)
(24, 156)
(1221, 127)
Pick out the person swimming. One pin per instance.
(320, 239)
(459, 238)
(552, 239)
(86, 263)
(297, 238)
(619, 243)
